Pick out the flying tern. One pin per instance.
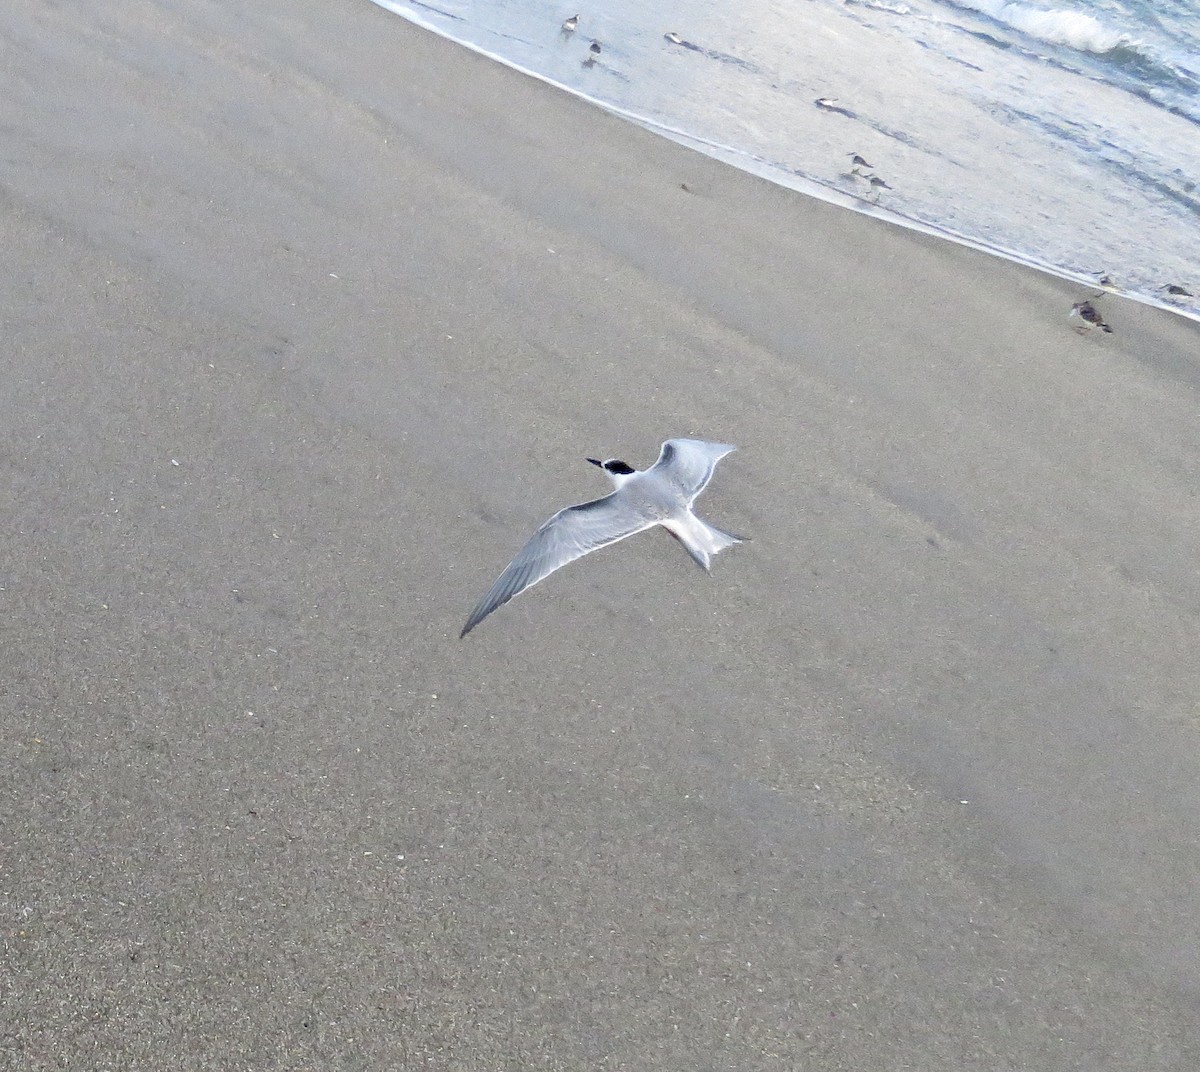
(661, 495)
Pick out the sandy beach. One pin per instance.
(309, 319)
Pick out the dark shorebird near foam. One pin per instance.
(830, 104)
(1090, 316)
(857, 164)
(594, 51)
(1176, 291)
(876, 185)
(569, 25)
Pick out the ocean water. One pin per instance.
(1061, 133)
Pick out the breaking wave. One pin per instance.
(1055, 26)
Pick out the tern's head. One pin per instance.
(617, 470)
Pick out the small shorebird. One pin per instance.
(661, 495)
(859, 162)
(674, 38)
(875, 182)
(1176, 291)
(1090, 316)
(593, 52)
(830, 104)
(568, 26)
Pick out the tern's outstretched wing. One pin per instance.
(568, 535)
(689, 464)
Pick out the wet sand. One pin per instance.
(309, 319)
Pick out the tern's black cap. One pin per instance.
(614, 466)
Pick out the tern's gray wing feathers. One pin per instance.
(568, 535)
(689, 464)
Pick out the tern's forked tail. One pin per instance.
(701, 539)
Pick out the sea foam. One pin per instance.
(1056, 26)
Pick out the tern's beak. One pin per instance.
(594, 462)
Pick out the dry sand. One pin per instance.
(309, 319)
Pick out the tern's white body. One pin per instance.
(661, 495)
